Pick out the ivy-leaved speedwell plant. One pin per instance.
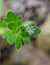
(15, 31)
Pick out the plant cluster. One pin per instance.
(15, 31)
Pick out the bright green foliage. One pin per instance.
(10, 37)
(18, 40)
(1, 24)
(16, 32)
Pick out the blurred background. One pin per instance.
(38, 51)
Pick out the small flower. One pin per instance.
(32, 27)
(28, 25)
(31, 32)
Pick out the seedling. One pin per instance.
(15, 31)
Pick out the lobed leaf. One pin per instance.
(10, 37)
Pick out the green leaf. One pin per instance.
(22, 28)
(19, 22)
(18, 42)
(36, 32)
(12, 26)
(11, 16)
(1, 24)
(19, 17)
(26, 39)
(10, 37)
(12, 21)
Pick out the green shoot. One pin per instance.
(16, 32)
